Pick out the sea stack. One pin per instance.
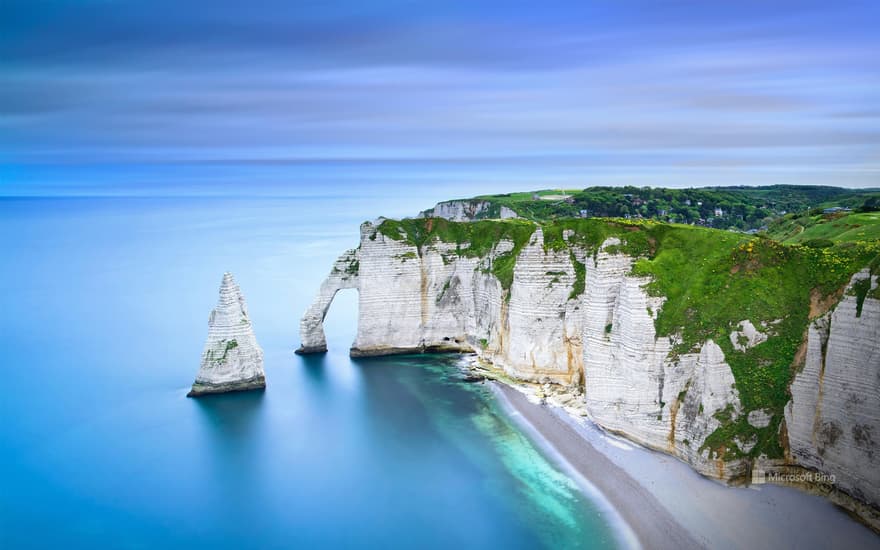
(232, 359)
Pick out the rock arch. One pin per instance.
(311, 327)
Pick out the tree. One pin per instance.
(872, 204)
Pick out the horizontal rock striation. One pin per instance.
(416, 299)
(344, 274)
(635, 386)
(432, 298)
(468, 210)
(232, 360)
(553, 306)
(833, 418)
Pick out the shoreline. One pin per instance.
(648, 522)
(666, 504)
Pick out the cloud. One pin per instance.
(571, 88)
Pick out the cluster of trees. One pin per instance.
(871, 204)
(740, 208)
(697, 206)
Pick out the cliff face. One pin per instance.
(468, 210)
(833, 417)
(421, 299)
(431, 298)
(634, 384)
(232, 360)
(344, 274)
(549, 304)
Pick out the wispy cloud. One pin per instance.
(782, 91)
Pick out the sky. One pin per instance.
(587, 92)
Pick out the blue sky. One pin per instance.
(586, 92)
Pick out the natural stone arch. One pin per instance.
(311, 328)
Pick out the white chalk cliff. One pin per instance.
(232, 360)
(635, 386)
(468, 210)
(833, 417)
(344, 274)
(599, 333)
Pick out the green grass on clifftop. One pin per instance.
(711, 280)
(834, 227)
(472, 239)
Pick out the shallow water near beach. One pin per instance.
(105, 306)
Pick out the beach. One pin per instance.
(665, 504)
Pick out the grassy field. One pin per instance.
(740, 207)
(835, 228)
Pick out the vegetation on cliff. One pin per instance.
(833, 227)
(720, 207)
(714, 280)
(711, 281)
(472, 239)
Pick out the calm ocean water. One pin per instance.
(105, 305)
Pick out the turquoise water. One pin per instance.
(105, 305)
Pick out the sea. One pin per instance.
(108, 276)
